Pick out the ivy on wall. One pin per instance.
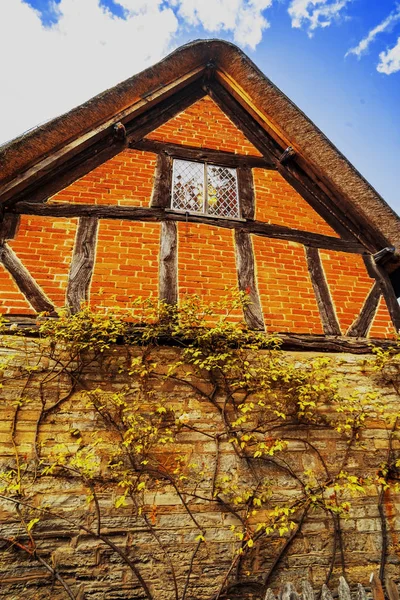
(262, 403)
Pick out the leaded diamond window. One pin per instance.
(204, 188)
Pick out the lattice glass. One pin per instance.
(204, 188)
(222, 196)
(188, 186)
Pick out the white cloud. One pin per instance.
(389, 60)
(362, 47)
(244, 18)
(47, 70)
(315, 13)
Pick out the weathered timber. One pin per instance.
(218, 157)
(387, 290)
(24, 280)
(64, 209)
(47, 182)
(168, 271)
(337, 212)
(246, 192)
(329, 320)
(325, 343)
(81, 269)
(161, 196)
(9, 227)
(252, 311)
(90, 138)
(289, 341)
(363, 322)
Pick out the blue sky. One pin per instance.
(60, 53)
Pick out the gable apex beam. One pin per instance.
(48, 180)
(346, 224)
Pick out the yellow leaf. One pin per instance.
(32, 524)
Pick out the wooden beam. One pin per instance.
(168, 270)
(9, 227)
(44, 183)
(247, 199)
(342, 217)
(361, 325)
(383, 279)
(65, 209)
(24, 280)
(329, 320)
(245, 265)
(82, 263)
(289, 341)
(161, 197)
(218, 157)
(326, 343)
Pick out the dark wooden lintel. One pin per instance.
(290, 341)
(252, 310)
(82, 263)
(64, 209)
(168, 270)
(315, 343)
(219, 157)
(329, 319)
(361, 325)
(24, 280)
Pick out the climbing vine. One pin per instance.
(112, 417)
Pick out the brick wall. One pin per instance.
(277, 202)
(95, 572)
(204, 125)
(125, 180)
(285, 288)
(126, 263)
(206, 261)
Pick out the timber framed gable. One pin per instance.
(43, 167)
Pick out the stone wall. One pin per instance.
(168, 539)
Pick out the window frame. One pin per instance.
(205, 164)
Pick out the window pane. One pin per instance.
(188, 186)
(222, 191)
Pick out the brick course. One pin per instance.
(278, 203)
(126, 263)
(124, 180)
(204, 125)
(285, 288)
(206, 261)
